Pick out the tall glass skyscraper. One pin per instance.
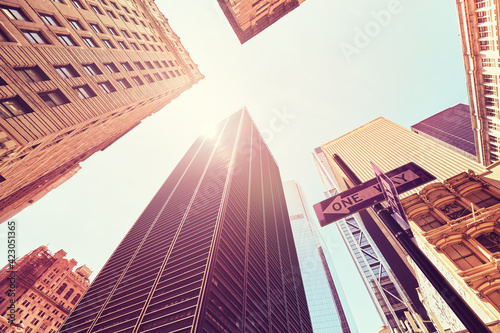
(212, 252)
(328, 306)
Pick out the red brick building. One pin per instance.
(75, 76)
(250, 17)
(47, 289)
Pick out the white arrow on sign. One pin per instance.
(341, 205)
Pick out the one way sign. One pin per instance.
(369, 193)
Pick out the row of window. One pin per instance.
(15, 106)
(37, 37)
(78, 4)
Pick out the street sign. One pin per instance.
(391, 197)
(369, 193)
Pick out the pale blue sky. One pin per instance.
(299, 87)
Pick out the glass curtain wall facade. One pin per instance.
(212, 252)
(329, 310)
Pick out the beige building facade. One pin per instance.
(75, 76)
(456, 224)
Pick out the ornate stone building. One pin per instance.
(47, 289)
(457, 225)
(75, 76)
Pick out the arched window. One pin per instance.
(61, 288)
(462, 256)
(75, 299)
(482, 198)
(454, 210)
(427, 221)
(494, 298)
(490, 240)
(69, 293)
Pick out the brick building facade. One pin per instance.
(47, 289)
(75, 76)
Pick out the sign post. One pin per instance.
(392, 198)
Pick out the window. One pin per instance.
(89, 41)
(4, 37)
(125, 33)
(114, 5)
(153, 47)
(427, 221)
(136, 35)
(35, 321)
(31, 74)
(111, 14)
(134, 46)
(83, 92)
(159, 48)
(149, 78)
(137, 80)
(75, 299)
(14, 13)
(111, 67)
(77, 4)
(177, 72)
(71, 291)
(127, 66)
(52, 99)
(66, 40)
(135, 13)
(107, 87)
(96, 9)
(171, 74)
(149, 65)
(171, 63)
(124, 83)
(126, 10)
(133, 20)
(96, 28)
(482, 198)
(50, 19)
(145, 37)
(112, 31)
(103, 2)
(462, 256)
(66, 71)
(145, 47)
(75, 24)
(123, 45)
(157, 76)
(143, 24)
(164, 63)
(108, 44)
(454, 210)
(92, 69)
(157, 64)
(35, 37)
(490, 241)
(59, 1)
(165, 75)
(139, 65)
(123, 17)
